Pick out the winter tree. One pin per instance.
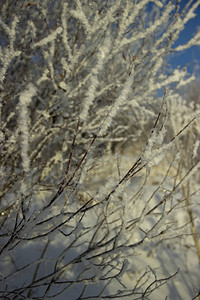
(99, 151)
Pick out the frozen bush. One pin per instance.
(98, 172)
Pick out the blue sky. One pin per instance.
(190, 57)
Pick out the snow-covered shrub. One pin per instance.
(99, 174)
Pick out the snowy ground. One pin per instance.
(173, 254)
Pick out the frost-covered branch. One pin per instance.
(94, 163)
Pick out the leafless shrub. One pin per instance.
(97, 171)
